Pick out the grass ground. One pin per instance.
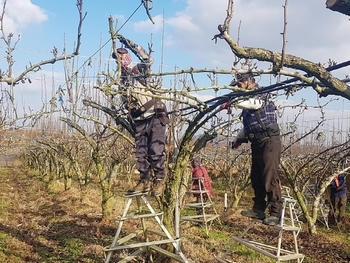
(66, 226)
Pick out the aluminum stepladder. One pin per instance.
(160, 236)
(205, 218)
(288, 222)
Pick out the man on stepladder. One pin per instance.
(148, 114)
(262, 130)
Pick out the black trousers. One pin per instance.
(150, 148)
(265, 180)
(338, 205)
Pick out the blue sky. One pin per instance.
(313, 32)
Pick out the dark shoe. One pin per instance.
(142, 187)
(271, 221)
(254, 213)
(158, 188)
(332, 223)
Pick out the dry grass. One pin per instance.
(66, 226)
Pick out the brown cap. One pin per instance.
(244, 77)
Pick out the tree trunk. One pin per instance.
(67, 182)
(341, 6)
(108, 201)
(178, 180)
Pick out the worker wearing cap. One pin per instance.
(260, 128)
(149, 116)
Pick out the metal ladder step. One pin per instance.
(199, 205)
(200, 218)
(199, 191)
(136, 216)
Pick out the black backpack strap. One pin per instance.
(145, 107)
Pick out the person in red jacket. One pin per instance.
(201, 181)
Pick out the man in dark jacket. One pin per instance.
(261, 129)
(338, 196)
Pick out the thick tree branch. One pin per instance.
(331, 85)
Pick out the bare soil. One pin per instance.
(41, 224)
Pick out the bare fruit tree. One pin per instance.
(7, 75)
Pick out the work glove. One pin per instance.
(227, 106)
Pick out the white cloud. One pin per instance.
(20, 14)
(119, 19)
(192, 29)
(184, 23)
(148, 26)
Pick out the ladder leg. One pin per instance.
(139, 209)
(279, 243)
(176, 245)
(218, 218)
(143, 224)
(126, 209)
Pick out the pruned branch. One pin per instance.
(284, 34)
(81, 19)
(148, 8)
